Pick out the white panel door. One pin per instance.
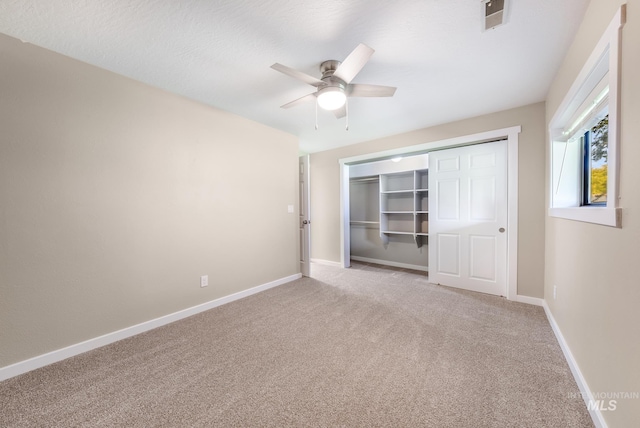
(468, 217)
(304, 221)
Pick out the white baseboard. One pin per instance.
(97, 342)
(388, 263)
(587, 395)
(326, 262)
(530, 300)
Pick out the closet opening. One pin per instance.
(403, 222)
(388, 212)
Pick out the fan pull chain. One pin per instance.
(316, 115)
(346, 110)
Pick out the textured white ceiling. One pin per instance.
(219, 52)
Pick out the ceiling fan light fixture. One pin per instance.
(331, 98)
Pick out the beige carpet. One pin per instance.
(367, 346)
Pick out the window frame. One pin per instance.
(604, 60)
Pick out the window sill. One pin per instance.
(607, 216)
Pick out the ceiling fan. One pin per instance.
(335, 85)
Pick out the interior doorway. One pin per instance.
(304, 220)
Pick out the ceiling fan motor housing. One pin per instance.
(327, 68)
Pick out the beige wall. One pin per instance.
(325, 189)
(593, 266)
(115, 197)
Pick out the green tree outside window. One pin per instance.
(599, 155)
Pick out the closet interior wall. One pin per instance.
(364, 207)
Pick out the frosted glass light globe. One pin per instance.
(331, 98)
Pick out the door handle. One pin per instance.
(305, 222)
(501, 230)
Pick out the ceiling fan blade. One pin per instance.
(298, 75)
(354, 63)
(299, 101)
(364, 90)
(341, 112)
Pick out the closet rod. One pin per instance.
(354, 180)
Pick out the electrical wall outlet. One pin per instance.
(204, 280)
(555, 289)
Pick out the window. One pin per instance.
(584, 138)
(595, 162)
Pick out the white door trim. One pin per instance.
(511, 134)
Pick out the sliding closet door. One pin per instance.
(468, 217)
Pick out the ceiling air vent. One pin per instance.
(493, 13)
